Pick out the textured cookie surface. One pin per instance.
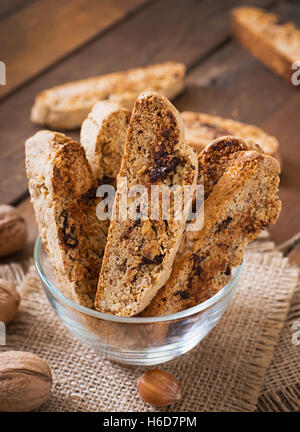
(213, 161)
(275, 43)
(63, 192)
(201, 129)
(103, 135)
(217, 157)
(66, 106)
(242, 203)
(139, 253)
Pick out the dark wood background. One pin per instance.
(49, 42)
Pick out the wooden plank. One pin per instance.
(185, 30)
(294, 255)
(8, 7)
(45, 31)
(232, 83)
(284, 124)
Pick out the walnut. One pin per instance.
(25, 381)
(13, 231)
(9, 301)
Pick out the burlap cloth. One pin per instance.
(230, 370)
(281, 388)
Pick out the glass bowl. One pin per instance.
(135, 341)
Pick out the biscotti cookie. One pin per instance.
(275, 43)
(67, 105)
(201, 129)
(213, 161)
(139, 253)
(217, 157)
(243, 202)
(103, 135)
(63, 192)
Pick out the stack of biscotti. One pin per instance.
(241, 203)
(146, 264)
(201, 129)
(63, 192)
(275, 43)
(139, 253)
(67, 105)
(103, 135)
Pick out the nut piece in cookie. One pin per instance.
(242, 203)
(103, 135)
(63, 192)
(66, 106)
(139, 253)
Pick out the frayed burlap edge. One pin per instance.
(281, 389)
(283, 400)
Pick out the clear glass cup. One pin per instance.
(135, 340)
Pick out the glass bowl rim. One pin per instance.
(56, 292)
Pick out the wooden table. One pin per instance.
(48, 42)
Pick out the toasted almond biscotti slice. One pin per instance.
(139, 253)
(275, 43)
(103, 135)
(242, 203)
(213, 161)
(63, 192)
(201, 129)
(67, 105)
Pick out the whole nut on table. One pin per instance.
(25, 381)
(13, 230)
(158, 388)
(9, 301)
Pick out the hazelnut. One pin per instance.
(9, 301)
(25, 381)
(13, 230)
(158, 388)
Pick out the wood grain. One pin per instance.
(294, 255)
(185, 30)
(7, 7)
(43, 32)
